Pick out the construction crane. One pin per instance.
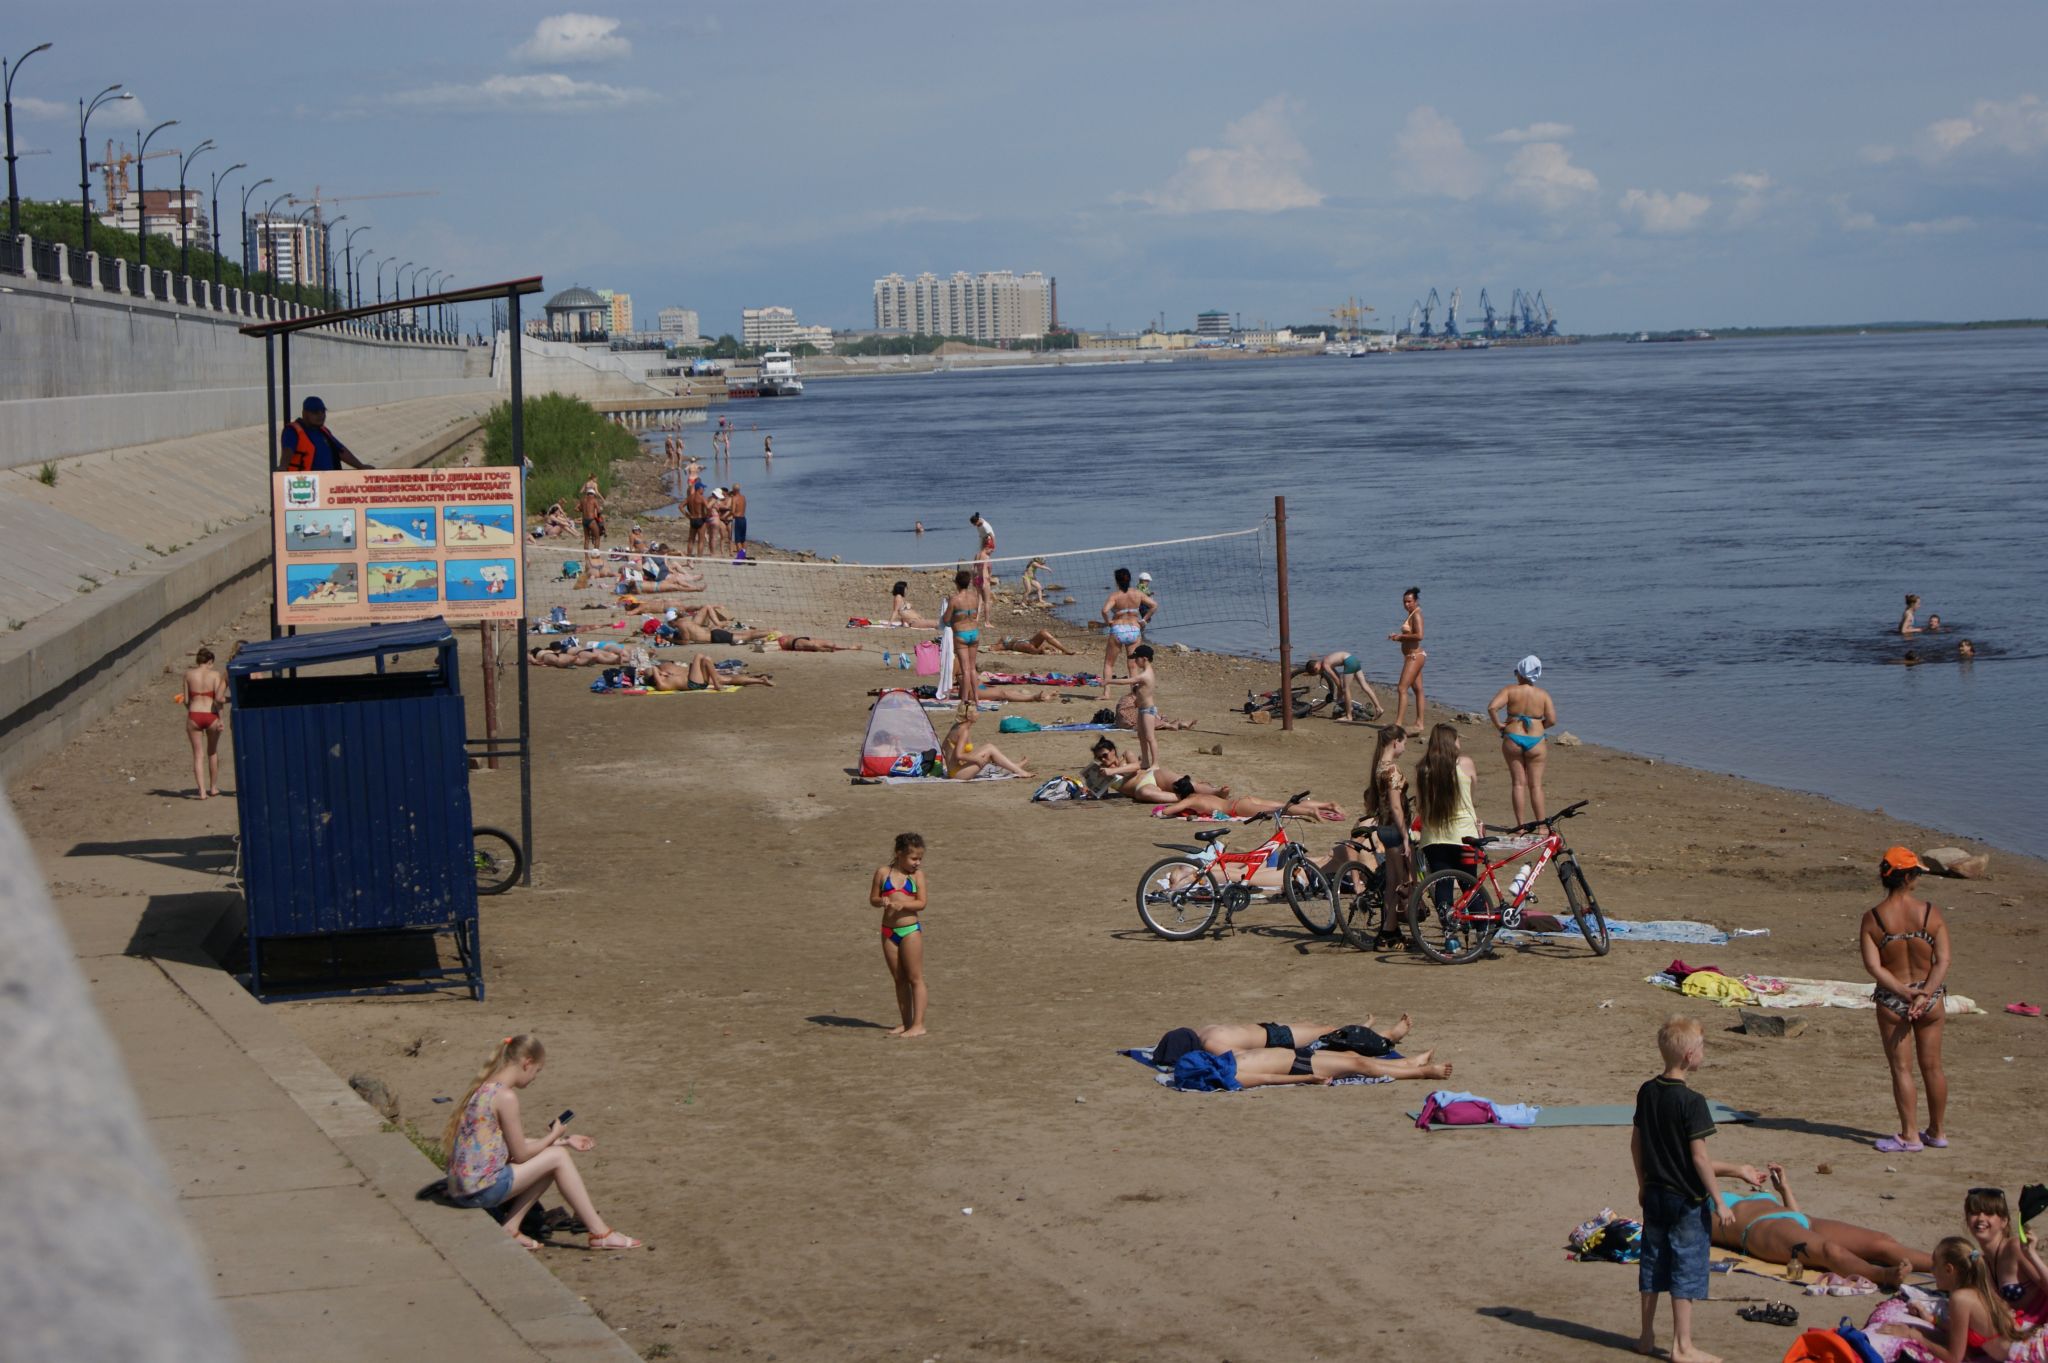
(1414, 318)
(1451, 314)
(1546, 321)
(1350, 317)
(1488, 328)
(115, 171)
(317, 200)
(1528, 315)
(1429, 306)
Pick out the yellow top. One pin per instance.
(1463, 824)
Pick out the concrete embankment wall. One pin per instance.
(131, 557)
(83, 371)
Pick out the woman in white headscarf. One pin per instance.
(1522, 711)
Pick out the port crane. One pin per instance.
(1489, 328)
(1546, 321)
(1429, 306)
(1451, 314)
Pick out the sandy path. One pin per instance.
(700, 958)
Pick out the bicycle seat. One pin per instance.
(1211, 835)
(1478, 842)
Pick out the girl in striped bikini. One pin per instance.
(898, 890)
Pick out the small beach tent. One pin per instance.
(900, 740)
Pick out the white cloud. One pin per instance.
(1535, 132)
(1430, 157)
(1661, 212)
(1753, 187)
(115, 113)
(1258, 169)
(1542, 173)
(542, 92)
(1937, 226)
(562, 38)
(2017, 127)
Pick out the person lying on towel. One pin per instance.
(1301, 1052)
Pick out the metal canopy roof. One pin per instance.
(482, 293)
(365, 641)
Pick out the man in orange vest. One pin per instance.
(307, 446)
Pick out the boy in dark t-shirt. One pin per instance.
(1675, 1182)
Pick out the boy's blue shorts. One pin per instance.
(1678, 1237)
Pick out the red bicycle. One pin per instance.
(1454, 914)
(1180, 897)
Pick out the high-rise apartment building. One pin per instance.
(290, 250)
(767, 326)
(621, 305)
(1212, 323)
(678, 326)
(992, 306)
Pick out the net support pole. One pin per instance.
(518, 414)
(487, 634)
(1286, 692)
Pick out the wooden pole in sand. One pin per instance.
(487, 631)
(1286, 695)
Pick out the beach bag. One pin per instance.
(1860, 1342)
(1017, 724)
(1060, 788)
(928, 658)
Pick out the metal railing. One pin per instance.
(10, 255)
(46, 266)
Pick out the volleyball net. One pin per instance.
(1213, 591)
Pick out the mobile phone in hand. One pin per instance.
(567, 1114)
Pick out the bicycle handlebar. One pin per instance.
(1530, 827)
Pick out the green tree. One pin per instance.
(567, 440)
(58, 222)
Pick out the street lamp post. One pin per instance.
(85, 112)
(398, 281)
(327, 255)
(239, 165)
(141, 191)
(348, 265)
(7, 98)
(248, 269)
(185, 210)
(443, 282)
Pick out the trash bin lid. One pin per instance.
(365, 641)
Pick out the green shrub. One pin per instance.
(568, 442)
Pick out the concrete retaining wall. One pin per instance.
(83, 371)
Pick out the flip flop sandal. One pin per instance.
(2025, 1010)
(1777, 1313)
(1937, 1142)
(615, 1240)
(1892, 1145)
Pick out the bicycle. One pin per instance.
(1180, 897)
(1454, 914)
(498, 859)
(1366, 920)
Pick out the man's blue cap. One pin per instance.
(312, 405)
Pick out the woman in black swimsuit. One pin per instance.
(1905, 948)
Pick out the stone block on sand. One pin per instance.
(1954, 861)
(373, 1091)
(1771, 1024)
(1565, 740)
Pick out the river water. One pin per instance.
(1706, 543)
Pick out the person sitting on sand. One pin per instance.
(1771, 1226)
(1974, 1321)
(699, 674)
(558, 522)
(804, 643)
(961, 760)
(900, 612)
(1338, 671)
(1041, 642)
(1246, 806)
(1906, 625)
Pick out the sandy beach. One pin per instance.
(698, 954)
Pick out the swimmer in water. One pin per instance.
(1965, 651)
(1911, 659)
(919, 528)
(1933, 624)
(1906, 625)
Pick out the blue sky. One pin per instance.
(1645, 164)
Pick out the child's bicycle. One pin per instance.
(1180, 897)
(1454, 914)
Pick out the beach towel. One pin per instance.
(1712, 984)
(1075, 728)
(1793, 991)
(1042, 679)
(1469, 1109)
(1143, 1055)
(990, 773)
(648, 691)
(1017, 724)
(1615, 1114)
(1659, 930)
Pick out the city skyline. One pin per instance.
(1644, 166)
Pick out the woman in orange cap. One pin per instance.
(1905, 949)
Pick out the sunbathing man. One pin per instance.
(1041, 642)
(557, 655)
(698, 674)
(1770, 1226)
(687, 631)
(1019, 693)
(804, 643)
(1251, 1036)
(1245, 806)
(1271, 1065)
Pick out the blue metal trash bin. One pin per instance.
(353, 790)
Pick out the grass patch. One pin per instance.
(426, 1145)
(47, 476)
(568, 442)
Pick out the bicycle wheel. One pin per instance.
(1364, 918)
(1312, 896)
(1450, 918)
(1178, 898)
(497, 858)
(1585, 908)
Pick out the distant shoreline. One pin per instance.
(1844, 329)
